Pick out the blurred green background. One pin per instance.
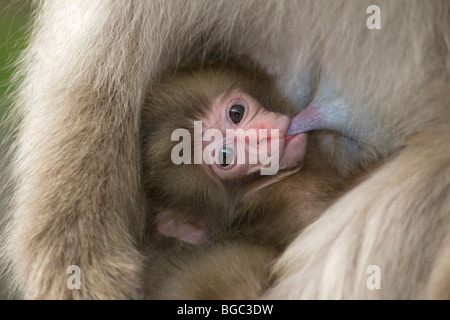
(14, 27)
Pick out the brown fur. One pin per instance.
(221, 270)
(248, 230)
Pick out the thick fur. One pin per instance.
(227, 270)
(77, 196)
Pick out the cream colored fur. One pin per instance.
(77, 197)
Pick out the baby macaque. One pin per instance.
(226, 187)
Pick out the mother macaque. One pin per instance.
(383, 93)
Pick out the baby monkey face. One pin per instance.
(241, 137)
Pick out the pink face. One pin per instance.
(242, 114)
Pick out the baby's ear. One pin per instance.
(180, 226)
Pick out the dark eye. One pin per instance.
(226, 156)
(236, 113)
